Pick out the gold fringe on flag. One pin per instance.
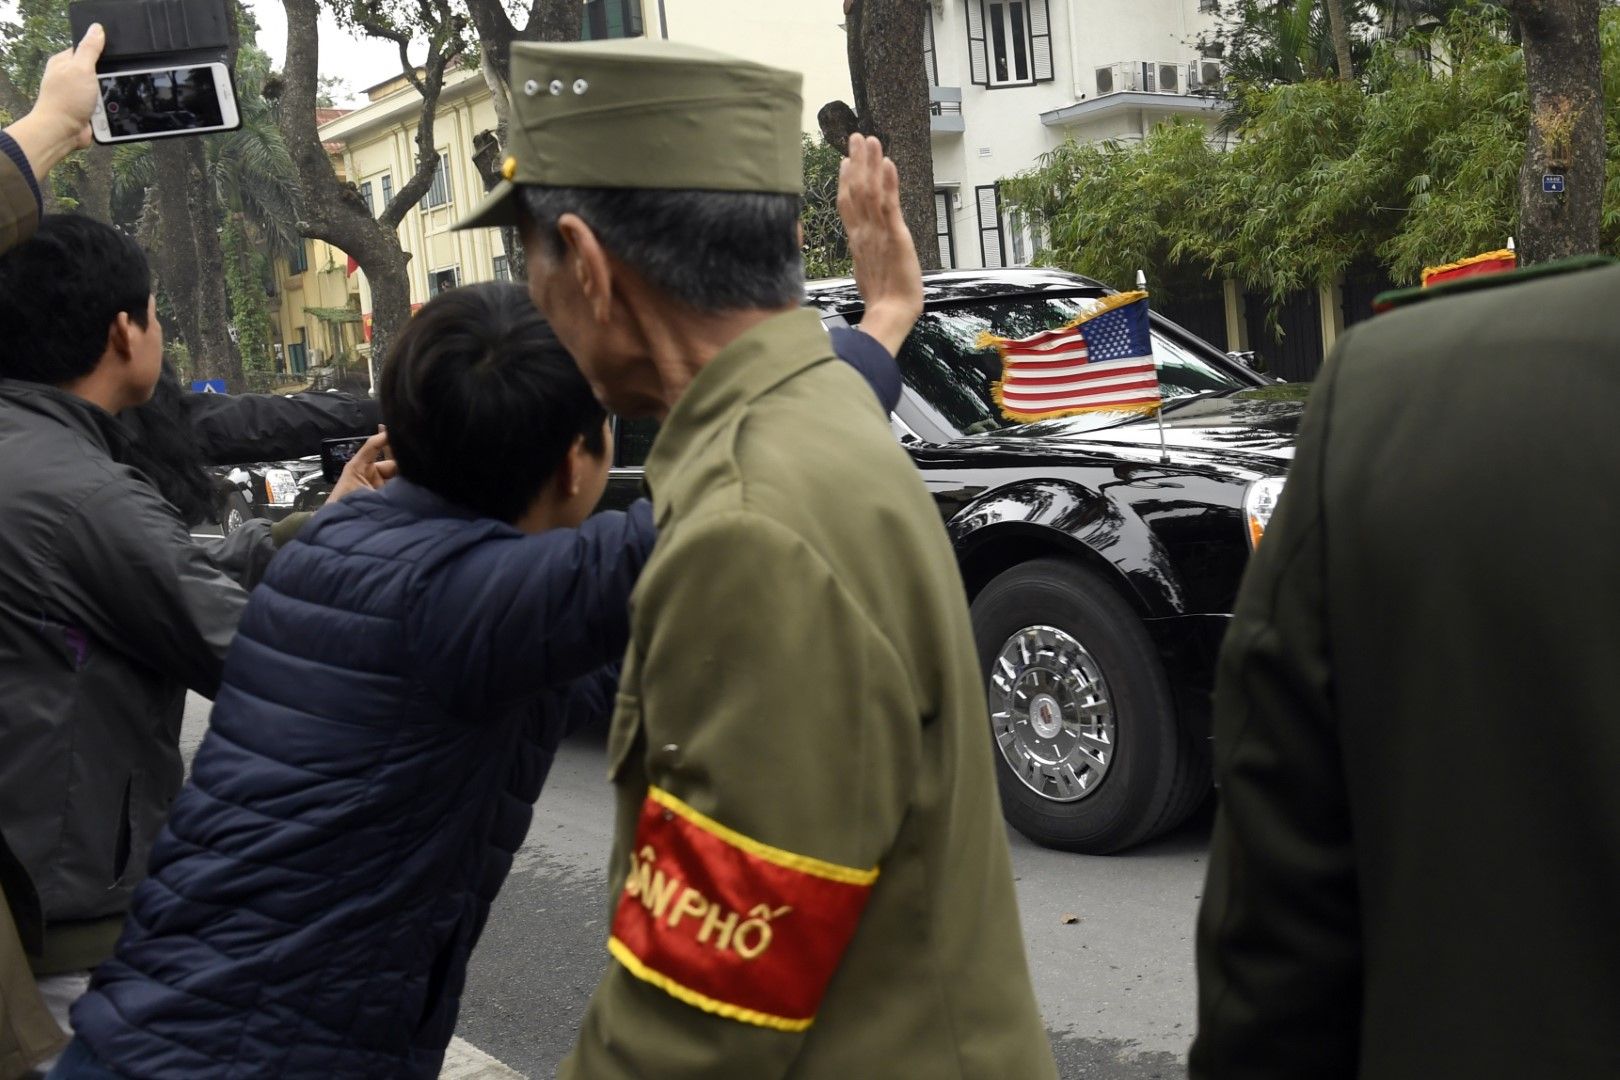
(987, 340)
(1502, 255)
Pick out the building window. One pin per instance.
(1209, 7)
(387, 189)
(365, 193)
(943, 232)
(610, 19)
(1010, 42)
(930, 54)
(442, 281)
(992, 247)
(298, 259)
(503, 269)
(298, 355)
(439, 193)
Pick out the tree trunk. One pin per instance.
(190, 263)
(1563, 66)
(94, 188)
(1341, 40)
(333, 211)
(174, 256)
(549, 20)
(890, 82)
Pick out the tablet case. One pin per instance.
(156, 33)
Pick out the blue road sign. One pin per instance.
(208, 386)
(1553, 184)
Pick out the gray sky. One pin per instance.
(359, 62)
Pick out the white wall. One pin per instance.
(800, 35)
(1004, 133)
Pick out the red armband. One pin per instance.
(730, 925)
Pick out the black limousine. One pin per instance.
(1101, 573)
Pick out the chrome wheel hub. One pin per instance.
(1052, 714)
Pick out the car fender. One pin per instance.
(1027, 519)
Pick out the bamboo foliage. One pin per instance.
(1416, 164)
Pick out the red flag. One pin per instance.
(1492, 262)
(353, 265)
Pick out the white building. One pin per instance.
(1013, 79)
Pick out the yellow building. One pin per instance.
(375, 147)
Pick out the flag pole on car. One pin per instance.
(1164, 447)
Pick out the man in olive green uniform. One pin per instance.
(1416, 869)
(810, 876)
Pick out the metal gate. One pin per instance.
(1297, 354)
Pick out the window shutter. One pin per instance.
(978, 58)
(1040, 33)
(990, 241)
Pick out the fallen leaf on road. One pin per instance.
(1070, 920)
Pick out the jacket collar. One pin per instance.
(71, 411)
(419, 502)
(757, 362)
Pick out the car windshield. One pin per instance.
(944, 362)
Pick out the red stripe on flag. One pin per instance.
(1009, 393)
(1145, 370)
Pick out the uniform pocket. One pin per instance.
(124, 841)
(625, 734)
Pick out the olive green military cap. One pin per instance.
(646, 114)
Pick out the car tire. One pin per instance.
(1153, 778)
(234, 512)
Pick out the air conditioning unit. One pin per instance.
(1105, 81)
(1209, 72)
(1169, 78)
(1148, 83)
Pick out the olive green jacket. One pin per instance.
(19, 212)
(1416, 866)
(28, 1034)
(801, 697)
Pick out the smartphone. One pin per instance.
(157, 102)
(335, 453)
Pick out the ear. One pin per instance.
(590, 264)
(118, 337)
(571, 470)
(800, 226)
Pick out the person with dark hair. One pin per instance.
(108, 611)
(810, 872)
(422, 650)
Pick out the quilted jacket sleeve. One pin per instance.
(19, 197)
(517, 615)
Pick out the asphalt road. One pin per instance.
(1116, 987)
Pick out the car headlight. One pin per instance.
(1259, 503)
(280, 489)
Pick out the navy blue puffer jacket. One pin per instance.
(389, 711)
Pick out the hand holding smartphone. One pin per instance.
(163, 71)
(336, 453)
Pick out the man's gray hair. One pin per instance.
(714, 251)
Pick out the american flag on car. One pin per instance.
(1101, 361)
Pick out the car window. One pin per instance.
(632, 441)
(947, 365)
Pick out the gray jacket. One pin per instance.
(109, 612)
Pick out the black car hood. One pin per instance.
(1255, 428)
